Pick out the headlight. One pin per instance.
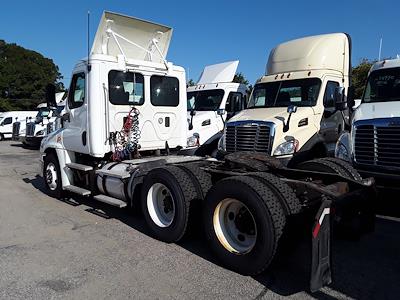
(289, 147)
(342, 149)
(40, 132)
(221, 143)
(193, 141)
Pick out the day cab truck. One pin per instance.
(36, 129)
(296, 110)
(213, 100)
(7, 120)
(124, 123)
(373, 143)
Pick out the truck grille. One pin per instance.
(30, 129)
(15, 131)
(378, 143)
(249, 136)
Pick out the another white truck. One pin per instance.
(9, 118)
(295, 111)
(126, 117)
(213, 100)
(373, 144)
(37, 128)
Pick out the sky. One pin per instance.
(205, 32)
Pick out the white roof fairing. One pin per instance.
(134, 38)
(325, 51)
(223, 72)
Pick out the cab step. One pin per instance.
(79, 167)
(110, 200)
(77, 190)
(112, 173)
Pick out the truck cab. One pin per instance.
(373, 144)
(295, 111)
(36, 128)
(10, 118)
(213, 100)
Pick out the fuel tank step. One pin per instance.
(77, 190)
(110, 200)
(79, 167)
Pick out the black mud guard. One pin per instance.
(321, 248)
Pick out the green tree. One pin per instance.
(24, 74)
(191, 82)
(359, 76)
(239, 78)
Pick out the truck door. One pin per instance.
(6, 127)
(332, 122)
(75, 132)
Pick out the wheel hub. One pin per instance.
(160, 205)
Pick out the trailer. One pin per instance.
(123, 128)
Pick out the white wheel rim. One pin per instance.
(51, 176)
(234, 226)
(160, 205)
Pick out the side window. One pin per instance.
(329, 96)
(7, 121)
(126, 88)
(76, 96)
(235, 102)
(164, 91)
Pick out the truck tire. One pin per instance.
(165, 199)
(321, 165)
(282, 191)
(52, 176)
(1, 137)
(243, 222)
(348, 168)
(200, 178)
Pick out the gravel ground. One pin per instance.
(54, 249)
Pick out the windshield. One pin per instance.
(43, 112)
(383, 85)
(299, 92)
(204, 100)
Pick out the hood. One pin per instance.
(277, 115)
(145, 37)
(223, 72)
(376, 110)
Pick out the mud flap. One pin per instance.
(321, 248)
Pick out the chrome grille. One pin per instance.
(248, 136)
(378, 143)
(30, 129)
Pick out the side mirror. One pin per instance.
(292, 109)
(340, 102)
(65, 117)
(51, 96)
(192, 112)
(220, 111)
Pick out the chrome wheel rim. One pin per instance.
(51, 176)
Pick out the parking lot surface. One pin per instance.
(55, 249)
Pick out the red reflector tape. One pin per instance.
(318, 224)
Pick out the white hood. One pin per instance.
(116, 30)
(223, 72)
(377, 110)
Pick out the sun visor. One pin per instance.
(223, 72)
(134, 38)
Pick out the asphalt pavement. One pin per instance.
(66, 249)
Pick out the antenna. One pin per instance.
(380, 49)
(88, 41)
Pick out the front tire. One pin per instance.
(1, 137)
(243, 222)
(52, 176)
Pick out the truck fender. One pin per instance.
(209, 146)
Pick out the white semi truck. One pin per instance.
(373, 144)
(295, 111)
(126, 117)
(213, 100)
